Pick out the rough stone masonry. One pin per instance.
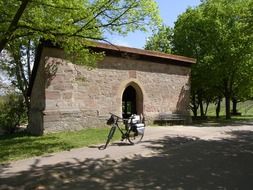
(66, 96)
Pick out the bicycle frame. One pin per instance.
(128, 133)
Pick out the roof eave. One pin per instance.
(146, 53)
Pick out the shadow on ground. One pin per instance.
(181, 163)
(222, 122)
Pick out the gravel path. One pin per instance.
(175, 157)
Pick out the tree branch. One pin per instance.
(96, 16)
(55, 7)
(119, 16)
(13, 26)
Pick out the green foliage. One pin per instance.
(16, 61)
(21, 145)
(161, 40)
(71, 23)
(215, 34)
(12, 112)
(218, 34)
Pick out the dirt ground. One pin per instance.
(173, 157)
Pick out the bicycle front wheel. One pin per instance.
(110, 135)
(134, 137)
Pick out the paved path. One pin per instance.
(178, 157)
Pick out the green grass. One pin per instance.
(21, 146)
(213, 121)
(245, 108)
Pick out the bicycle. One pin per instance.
(133, 131)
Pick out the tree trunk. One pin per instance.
(200, 100)
(218, 108)
(227, 100)
(194, 106)
(227, 95)
(207, 105)
(202, 114)
(234, 109)
(227, 103)
(22, 81)
(195, 111)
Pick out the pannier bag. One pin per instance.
(140, 128)
(134, 119)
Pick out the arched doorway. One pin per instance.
(132, 101)
(129, 102)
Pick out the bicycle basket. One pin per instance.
(110, 121)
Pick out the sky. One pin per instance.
(169, 11)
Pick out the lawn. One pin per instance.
(245, 108)
(21, 145)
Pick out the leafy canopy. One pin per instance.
(71, 23)
(161, 40)
(218, 33)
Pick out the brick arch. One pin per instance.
(139, 94)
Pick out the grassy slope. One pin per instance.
(246, 108)
(20, 146)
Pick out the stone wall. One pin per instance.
(77, 97)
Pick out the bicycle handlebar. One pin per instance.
(115, 115)
(118, 118)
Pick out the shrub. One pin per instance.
(12, 112)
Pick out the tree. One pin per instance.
(186, 39)
(160, 40)
(12, 112)
(242, 88)
(70, 23)
(16, 62)
(231, 44)
(217, 31)
(190, 40)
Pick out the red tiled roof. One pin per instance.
(141, 52)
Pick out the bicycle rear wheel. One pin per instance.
(134, 137)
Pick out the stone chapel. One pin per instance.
(66, 96)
